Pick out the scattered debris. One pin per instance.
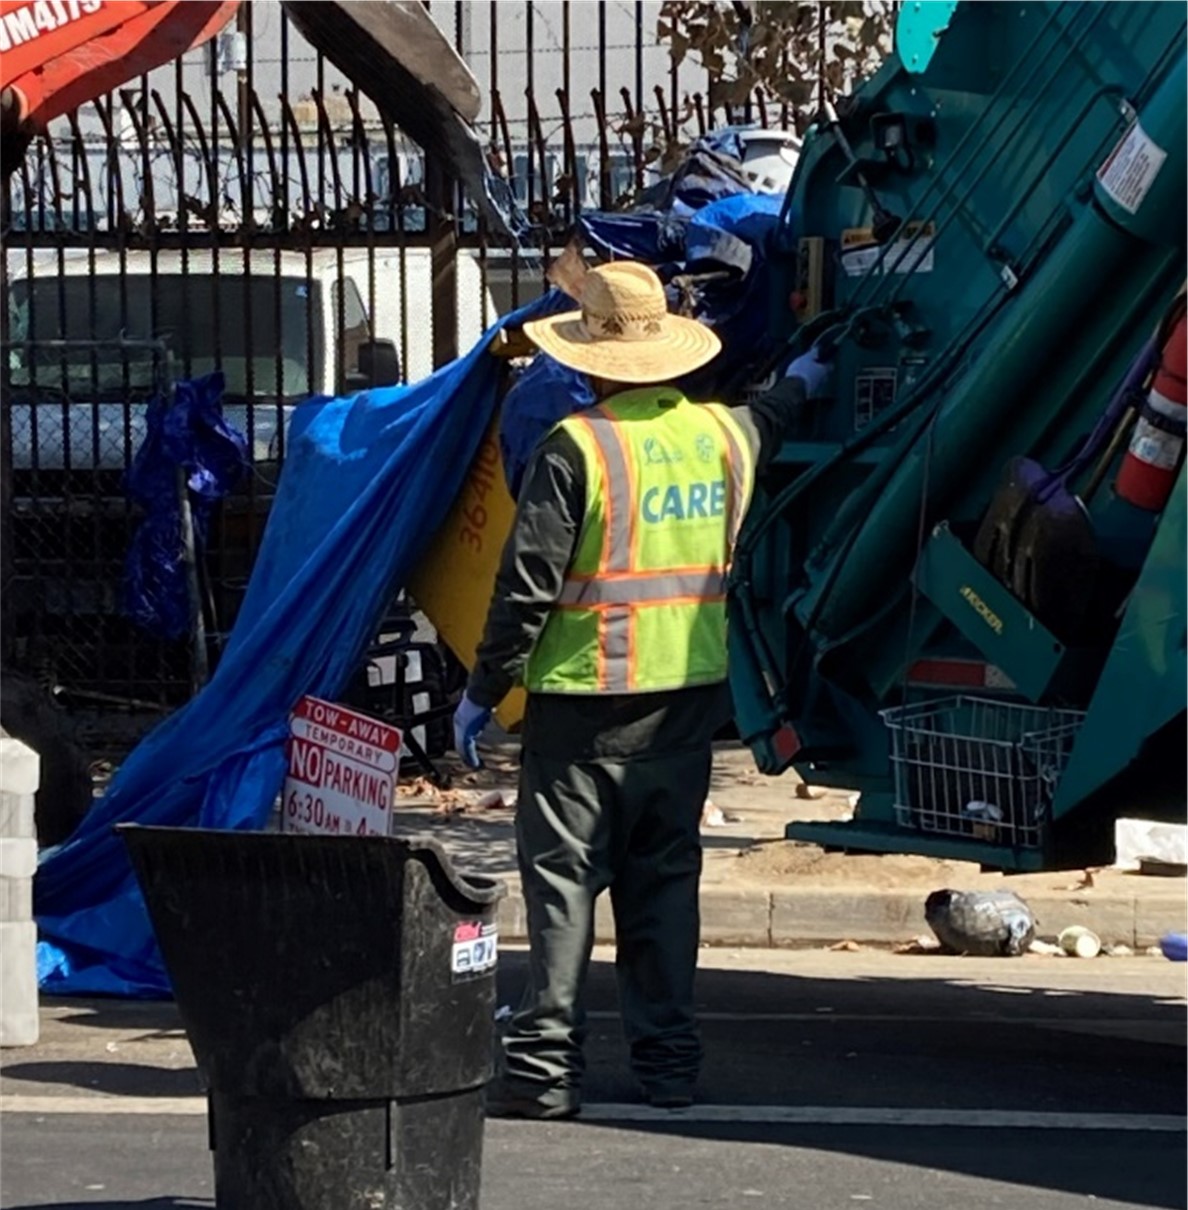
(715, 817)
(1046, 948)
(711, 816)
(773, 860)
(495, 800)
(918, 945)
(805, 791)
(844, 947)
(1087, 882)
(1080, 942)
(1153, 951)
(989, 924)
(1118, 951)
(419, 787)
(748, 778)
(422, 790)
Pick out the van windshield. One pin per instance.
(264, 332)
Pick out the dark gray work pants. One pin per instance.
(632, 827)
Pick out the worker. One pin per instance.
(609, 608)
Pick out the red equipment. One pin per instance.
(1148, 472)
(56, 54)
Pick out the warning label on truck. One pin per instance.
(910, 252)
(1131, 168)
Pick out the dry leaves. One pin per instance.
(421, 791)
(1087, 882)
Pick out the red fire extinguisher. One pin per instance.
(1149, 470)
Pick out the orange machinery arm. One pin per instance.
(56, 54)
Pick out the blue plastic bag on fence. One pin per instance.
(190, 433)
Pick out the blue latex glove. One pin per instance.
(814, 372)
(469, 721)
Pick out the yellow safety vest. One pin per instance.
(643, 607)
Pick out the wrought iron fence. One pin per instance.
(250, 210)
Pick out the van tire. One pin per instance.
(29, 713)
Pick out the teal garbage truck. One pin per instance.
(961, 589)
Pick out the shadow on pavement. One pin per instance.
(1139, 1170)
(940, 1043)
(152, 1203)
(158, 1018)
(110, 1079)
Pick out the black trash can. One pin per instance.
(339, 995)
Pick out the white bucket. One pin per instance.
(769, 159)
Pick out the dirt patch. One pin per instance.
(809, 864)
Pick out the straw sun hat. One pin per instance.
(623, 331)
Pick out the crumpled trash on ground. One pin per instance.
(496, 800)
(918, 945)
(715, 817)
(452, 801)
(1045, 948)
(988, 924)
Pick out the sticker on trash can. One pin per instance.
(476, 947)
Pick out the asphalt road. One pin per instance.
(833, 1080)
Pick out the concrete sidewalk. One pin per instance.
(759, 889)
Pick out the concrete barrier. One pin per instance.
(20, 771)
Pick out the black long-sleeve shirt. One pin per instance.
(536, 557)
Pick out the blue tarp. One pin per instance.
(544, 394)
(366, 483)
(189, 433)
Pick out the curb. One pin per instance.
(756, 918)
